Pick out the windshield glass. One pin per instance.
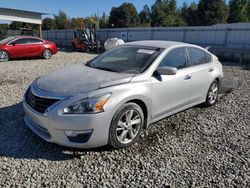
(125, 59)
(6, 40)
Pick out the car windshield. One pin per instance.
(6, 40)
(125, 59)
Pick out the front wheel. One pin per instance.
(47, 54)
(4, 56)
(212, 94)
(126, 126)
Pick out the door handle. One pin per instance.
(187, 77)
(211, 70)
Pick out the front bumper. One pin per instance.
(52, 125)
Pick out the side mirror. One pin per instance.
(165, 70)
(13, 44)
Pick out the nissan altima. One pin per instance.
(112, 98)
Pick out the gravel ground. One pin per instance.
(196, 148)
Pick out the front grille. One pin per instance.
(38, 103)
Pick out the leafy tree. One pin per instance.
(248, 10)
(145, 16)
(238, 11)
(164, 13)
(212, 12)
(15, 25)
(3, 28)
(77, 23)
(123, 16)
(189, 14)
(61, 20)
(48, 24)
(103, 22)
(158, 13)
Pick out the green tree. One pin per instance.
(248, 10)
(61, 20)
(103, 22)
(77, 23)
(189, 14)
(48, 24)
(123, 16)
(212, 12)
(3, 28)
(238, 11)
(158, 13)
(164, 13)
(16, 25)
(145, 17)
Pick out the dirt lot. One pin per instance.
(196, 148)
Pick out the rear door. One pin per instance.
(199, 62)
(35, 47)
(18, 48)
(171, 92)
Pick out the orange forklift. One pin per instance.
(85, 39)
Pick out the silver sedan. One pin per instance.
(113, 97)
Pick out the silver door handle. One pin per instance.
(211, 70)
(187, 77)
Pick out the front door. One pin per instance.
(171, 92)
(18, 48)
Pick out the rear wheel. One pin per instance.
(126, 126)
(47, 54)
(4, 56)
(212, 95)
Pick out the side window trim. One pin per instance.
(187, 56)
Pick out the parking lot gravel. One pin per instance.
(199, 147)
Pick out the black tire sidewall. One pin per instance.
(113, 141)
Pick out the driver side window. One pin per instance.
(175, 58)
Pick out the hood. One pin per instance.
(80, 79)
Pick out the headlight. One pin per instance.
(88, 105)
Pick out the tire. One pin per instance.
(123, 132)
(47, 54)
(4, 56)
(212, 94)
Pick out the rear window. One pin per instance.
(34, 41)
(196, 56)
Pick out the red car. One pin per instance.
(26, 46)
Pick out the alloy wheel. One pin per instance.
(128, 126)
(4, 56)
(47, 54)
(213, 93)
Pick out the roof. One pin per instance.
(9, 14)
(24, 11)
(159, 43)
